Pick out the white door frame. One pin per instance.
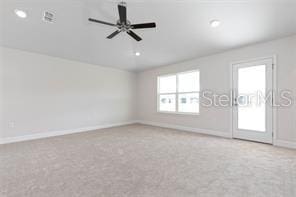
(274, 89)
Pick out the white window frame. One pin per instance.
(177, 94)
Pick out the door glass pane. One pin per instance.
(188, 103)
(167, 84)
(167, 102)
(251, 106)
(188, 82)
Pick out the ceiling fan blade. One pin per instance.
(122, 13)
(135, 36)
(143, 26)
(102, 22)
(114, 34)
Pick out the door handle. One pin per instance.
(235, 102)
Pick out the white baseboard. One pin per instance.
(59, 133)
(285, 143)
(190, 129)
(280, 143)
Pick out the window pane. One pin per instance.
(188, 82)
(251, 111)
(167, 84)
(188, 102)
(167, 102)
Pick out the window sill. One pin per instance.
(178, 113)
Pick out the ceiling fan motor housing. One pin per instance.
(125, 26)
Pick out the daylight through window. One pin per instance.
(179, 93)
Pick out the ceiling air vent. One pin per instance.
(48, 17)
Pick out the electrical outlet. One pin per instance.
(11, 124)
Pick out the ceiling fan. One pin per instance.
(124, 25)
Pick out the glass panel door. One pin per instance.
(251, 107)
(252, 111)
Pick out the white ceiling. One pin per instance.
(183, 30)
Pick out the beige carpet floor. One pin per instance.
(145, 161)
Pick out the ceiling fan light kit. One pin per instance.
(124, 25)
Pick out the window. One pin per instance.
(179, 93)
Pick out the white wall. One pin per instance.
(40, 94)
(215, 76)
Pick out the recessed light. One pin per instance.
(215, 23)
(20, 13)
(138, 53)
